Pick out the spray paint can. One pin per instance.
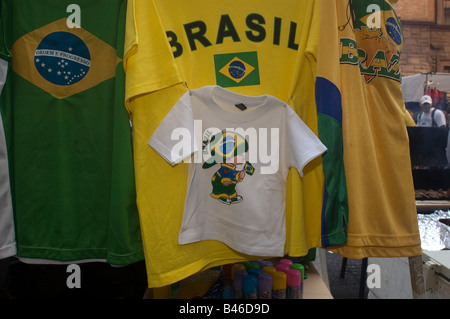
(265, 286)
(279, 280)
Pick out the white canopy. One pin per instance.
(414, 86)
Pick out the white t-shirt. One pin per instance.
(7, 231)
(425, 120)
(240, 149)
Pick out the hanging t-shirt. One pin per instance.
(68, 133)
(359, 66)
(7, 232)
(243, 148)
(249, 47)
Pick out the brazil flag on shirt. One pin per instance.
(67, 131)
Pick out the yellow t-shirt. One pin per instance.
(367, 39)
(249, 47)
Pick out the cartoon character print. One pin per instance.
(228, 149)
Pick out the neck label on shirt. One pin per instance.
(241, 106)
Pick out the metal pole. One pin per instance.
(363, 278)
(417, 279)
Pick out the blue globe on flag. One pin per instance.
(236, 69)
(393, 30)
(227, 145)
(62, 58)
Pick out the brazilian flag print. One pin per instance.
(378, 14)
(68, 132)
(237, 69)
(63, 61)
(379, 37)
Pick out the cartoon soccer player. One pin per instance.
(228, 148)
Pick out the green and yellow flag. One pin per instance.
(68, 132)
(69, 62)
(237, 69)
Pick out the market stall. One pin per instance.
(317, 76)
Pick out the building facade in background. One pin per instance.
(426, 29)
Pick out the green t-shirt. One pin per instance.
(68, 132)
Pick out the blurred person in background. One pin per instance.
(430, 116)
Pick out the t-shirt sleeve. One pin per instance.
(174, 138)
(302, 144)
(148, 59)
